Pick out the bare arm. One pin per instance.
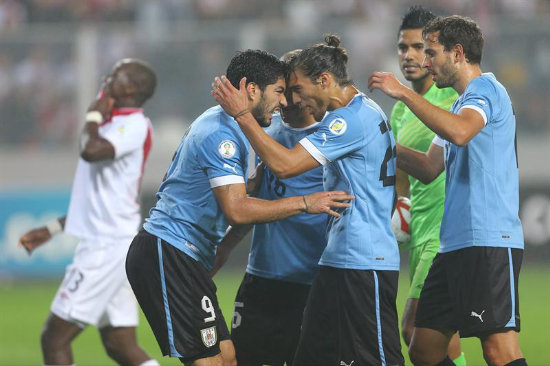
(423, 166)
(93, 146)
(402, 183)
(284, 163)
(241, 209)
(234, 236)
(36, 237)
(457, 128)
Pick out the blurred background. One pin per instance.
(53, 54)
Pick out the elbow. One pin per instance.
(87, 156)
(460, 138)
(426, 179)
(235, 218)
(284, 171)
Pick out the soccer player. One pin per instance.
(169, 261)
(472, 286)
(283, 257)
(426, 200)
(104, 214)
(350, 316)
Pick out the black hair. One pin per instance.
(416, 18)
(455, 30)
(328, 57)
(259, 67)
(142, 77)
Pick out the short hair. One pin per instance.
(259, 67)
(456, 29)
(142, 77)
(416, 18)
(315, 60)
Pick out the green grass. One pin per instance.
(25, 305)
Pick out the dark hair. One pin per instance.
(142, 76)
(455, 30)
(416, 18)
(259, 67)
(315, 60)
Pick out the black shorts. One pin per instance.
(178, 298)
(267, 319)
(351, 318)
(472, 290)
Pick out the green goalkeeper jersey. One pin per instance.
(426, 200)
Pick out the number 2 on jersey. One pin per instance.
(390, 153)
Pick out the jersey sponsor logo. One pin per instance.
(338, 126)
(209, 336)
(227, 149)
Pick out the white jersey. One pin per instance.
(104, 199)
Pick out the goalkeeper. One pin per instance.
(426, 200)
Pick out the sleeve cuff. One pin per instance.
(478, 110)
(314, 151)
(226, 180)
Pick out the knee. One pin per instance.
(113, 348)
(417, 356)
(50, 339)
(491, 356)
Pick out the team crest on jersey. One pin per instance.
(209, 336)
(227, 149)
(338, 126)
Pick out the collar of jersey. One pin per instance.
(121, 112)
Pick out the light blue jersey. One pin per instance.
(482, 185)
(213, 153)
(289, 249)
(357, 149)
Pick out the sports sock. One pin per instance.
(150, 363)
(460, 360)
(446, 362)
(518, 362)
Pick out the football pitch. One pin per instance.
(24, 307)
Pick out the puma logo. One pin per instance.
(473, 313)
(342, 363)
(225, 165)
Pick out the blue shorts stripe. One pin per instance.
(512, 321)
(173, 351)
(378, 322)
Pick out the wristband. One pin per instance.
(94, 116)
(54, 227)
(305, 203)
(241, 113)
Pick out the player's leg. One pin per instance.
(228, 353)
(117, 327)
(490, 303)
(56, 339)
(501, 348)
(434, 321)
(178, 299)
(121, 345)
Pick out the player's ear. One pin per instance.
(253, 90)
(325, 79)
(458, 52)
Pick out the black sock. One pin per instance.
(518, 362)
(448, 362)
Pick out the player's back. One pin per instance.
(482, 187)
(288, 249)
(213, 152)
(358, 150)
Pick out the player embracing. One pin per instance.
(472, 286)
(104, 213)
(204, 190)
(426, 199)
(350, 315)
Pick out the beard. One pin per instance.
(260, 113)
(447, 77)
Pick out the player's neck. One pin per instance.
(422, 86)
(470, 72)
(304, 123)
(341, 96)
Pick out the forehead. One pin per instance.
(280, 83)
(410, 36)
(297, 77)
(432, 40)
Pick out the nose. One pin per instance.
(426, 62)
(296, 98)
(282, 101)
